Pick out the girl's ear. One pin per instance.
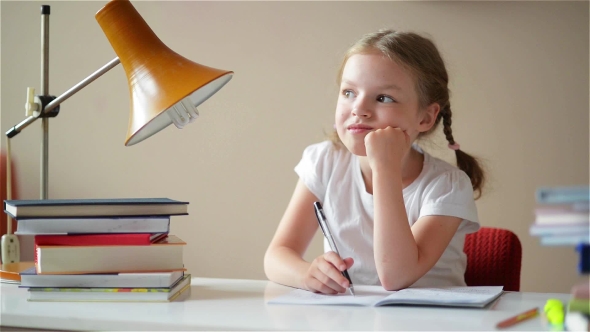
(429, 117)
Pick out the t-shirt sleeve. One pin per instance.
(315, 167)
(451, 194)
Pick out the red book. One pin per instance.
(133, 239)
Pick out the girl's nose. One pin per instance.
(361, 107)
(361, 110)
(359, 113)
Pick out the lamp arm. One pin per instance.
(57, 101)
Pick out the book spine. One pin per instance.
(545, 230)
(163, 256)
(94, 239)
(584, 251)
(89, 225)
(565, 240)
(576, 207)
(564, 218)
(563, 195)
(103, 290)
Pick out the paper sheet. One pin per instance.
(376, 295)
(364, 295)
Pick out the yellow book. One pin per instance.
(10, 272)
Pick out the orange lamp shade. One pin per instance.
(164, 87)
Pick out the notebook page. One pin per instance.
(364, 296)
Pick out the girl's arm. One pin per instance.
(403, 254)
(283, 261)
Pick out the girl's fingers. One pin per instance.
(326, 274)
(348, 261)
(335, 260)
(320, 287)
(332, 277)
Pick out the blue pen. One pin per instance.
(319, 213)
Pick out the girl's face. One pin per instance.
(376, 92)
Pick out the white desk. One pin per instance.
(227, 304)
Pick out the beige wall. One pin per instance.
(519, 77)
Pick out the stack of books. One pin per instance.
(102, 249)
(562, 216)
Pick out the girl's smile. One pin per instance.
(360, 129)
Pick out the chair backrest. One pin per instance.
(493, 258)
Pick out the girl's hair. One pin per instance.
(421, 58)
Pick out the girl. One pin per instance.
(398, 215)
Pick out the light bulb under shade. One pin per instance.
(158, 78)
(163, 120)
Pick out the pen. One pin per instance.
(319, 213)
(518, 318)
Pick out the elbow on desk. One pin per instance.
(395, 286)
(266, 262)
(393, 282)
(271, 264)
(396, 277)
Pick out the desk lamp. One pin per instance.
(164, 88)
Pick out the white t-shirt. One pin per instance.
(334, 177)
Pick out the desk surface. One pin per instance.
(231, 304)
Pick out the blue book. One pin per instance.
(563, 195)
(565, 240)
(584, 265)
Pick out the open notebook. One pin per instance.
(478, 296)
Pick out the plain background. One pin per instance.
(519, 81)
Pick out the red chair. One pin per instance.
(493, 258)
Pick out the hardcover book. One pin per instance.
(182, 287)
(164, 255)
(550, 230)
(575, 214)
(30, 278)
(94, 207)
(10, 272)
(565, 240)
(91, 225)
(139, 239)
(563, 195)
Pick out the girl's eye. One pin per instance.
(385, 99)
(348, 93)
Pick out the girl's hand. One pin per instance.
(386, 147)
(325, 274)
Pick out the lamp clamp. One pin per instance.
(36, 104)
(44, 101)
